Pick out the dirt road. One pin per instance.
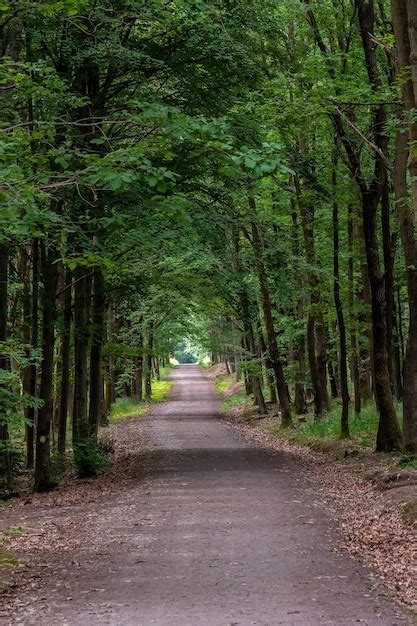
(222, 533)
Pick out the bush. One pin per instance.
(90, 458)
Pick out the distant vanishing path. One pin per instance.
(222, 533)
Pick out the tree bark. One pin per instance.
(387, 245)
(97, 333)
(344, 422)
(300, 342)
(316, 335)
(404, 16)
(43, 480)
(80, 429)
(6, 470)
(148, 361)
(65, 363)
(352, 321)
(286, 418)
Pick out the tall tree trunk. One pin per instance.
(97, 333)
(404, 14)
(31, 411)
(65, 363)
(43, 480)
(389, 434)
(253, 382)
(268, 366)
(148, 360)
(387, 245)
(80, 429)
(139, 378)
(139, 368)
(344, 422)
(286, 418)
(364, 319)
(27, 334)
(300, 342)
(6, 470)
(398, 367)
(316, 335)
(111, 337)
(354, 366)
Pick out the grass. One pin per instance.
(362, 430)
(127, 407)
(160, 390)
(407, 461)
(239, 398)
(235, 400)
(223, 384)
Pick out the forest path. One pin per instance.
(221, 533)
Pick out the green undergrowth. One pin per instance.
(362, 429)
(160, 390)
(235, 400)
(239, 398)
(127, 407)
(313, 433)
(223, 384)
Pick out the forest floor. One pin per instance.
(195, 524)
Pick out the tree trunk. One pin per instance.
(269, 370)
(389, 434)
(387, 245)
(6, 470)
(65, 364)
(300, 343)
(148, 361)
(344, 422)
(333, 380)
(139, 370)
(404, 16)
(80, 429)
(354, 366)
(316, 334)
(286, 418)
(366, 368)
(43, 480)
(97, 333)
(111, 338)
(27, 334)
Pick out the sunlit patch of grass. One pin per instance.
(363, 429)
(160, 390)
(165, 371)
(224, 383)
(127, 407)
(235, 400)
